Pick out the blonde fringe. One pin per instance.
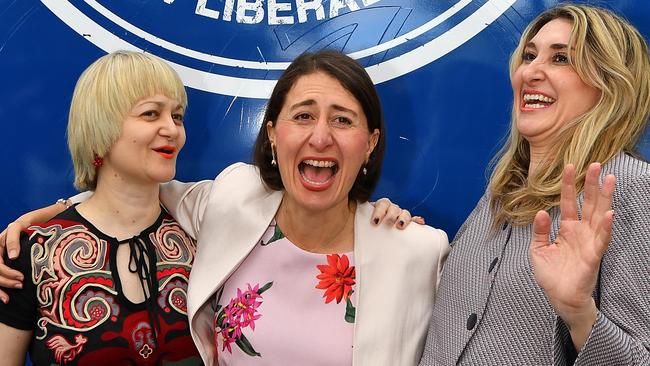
(103, 95)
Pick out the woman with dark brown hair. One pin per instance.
(294, 272)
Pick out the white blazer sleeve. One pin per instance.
(186, 202)
(445, 248)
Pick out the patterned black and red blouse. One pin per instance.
(72, 296)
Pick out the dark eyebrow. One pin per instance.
(302, 104)
(309, 102)
(343, 109)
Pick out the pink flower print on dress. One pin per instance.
(227, 339)
(240, 313)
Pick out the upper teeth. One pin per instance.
(320, 163)
(538, 97)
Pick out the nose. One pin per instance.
(169, 128)
(321, 136)
(533, 71)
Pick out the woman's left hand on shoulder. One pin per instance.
(390, 214)
(567, 270)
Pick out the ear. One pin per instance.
(372, 142)
(270, 131)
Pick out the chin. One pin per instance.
(527, 127)
(325, 200)
(163, 177)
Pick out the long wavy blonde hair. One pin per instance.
(607, 53)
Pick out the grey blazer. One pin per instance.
(490, 311)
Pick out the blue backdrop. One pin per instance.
(441, 69)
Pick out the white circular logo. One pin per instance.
(240, 47)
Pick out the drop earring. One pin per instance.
(273, 162)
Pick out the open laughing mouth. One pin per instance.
(317, 175)
(536, 101)
(166, 151)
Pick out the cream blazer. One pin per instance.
(397, 271)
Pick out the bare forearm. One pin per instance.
(13, 229)
(42, 214)
(14, 345)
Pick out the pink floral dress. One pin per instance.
(286, 306)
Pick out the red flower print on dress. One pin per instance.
(336, 278)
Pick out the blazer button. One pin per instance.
(494, 263)
(471, 321)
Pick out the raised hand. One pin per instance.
(567, 270)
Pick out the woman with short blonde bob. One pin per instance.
(581, 85)
(104, 94)
(106, 280)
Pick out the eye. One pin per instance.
(528, 56)
(178, 118)
(561, 58)
(302, 116)
(341, 120)
(150, 114)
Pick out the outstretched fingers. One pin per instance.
(604, 233)
(606, 195)
(591, 190)
(604, 215)
(541, 230)
(568, 203)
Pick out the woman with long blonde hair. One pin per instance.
(538, 275)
